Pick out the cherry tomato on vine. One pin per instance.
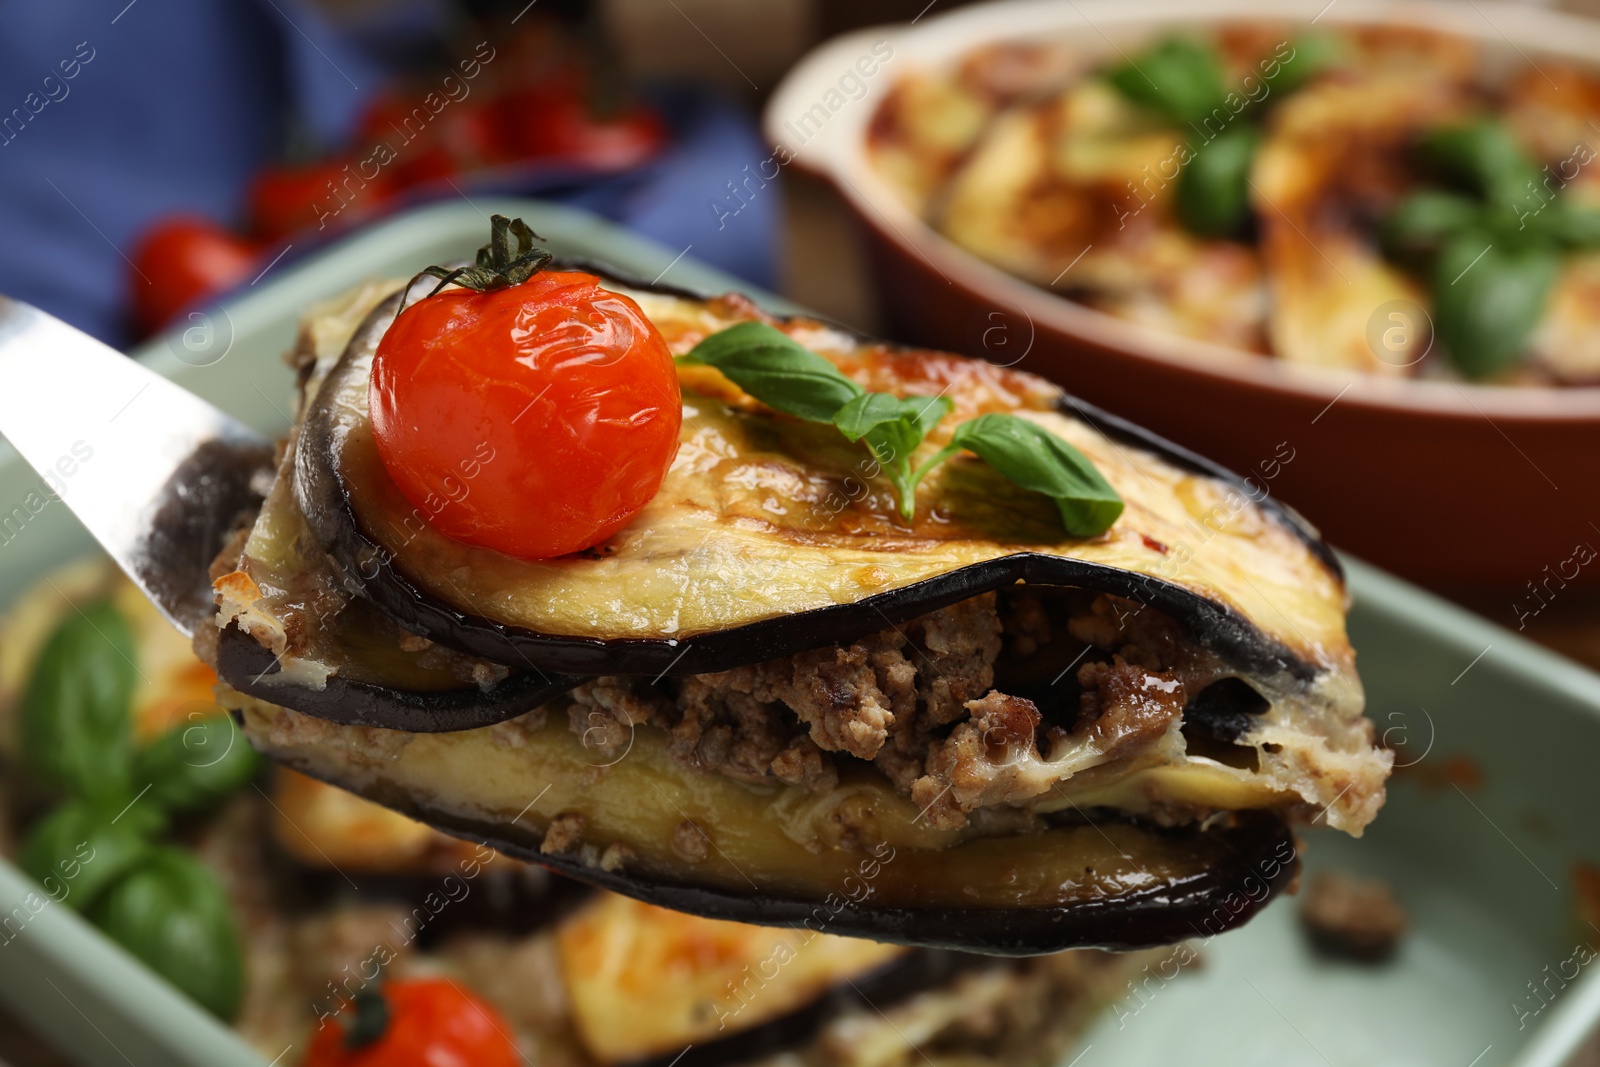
(533, 412)
(426, 1022)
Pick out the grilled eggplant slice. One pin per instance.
(775, 684)
(746, 554)
(858, 860)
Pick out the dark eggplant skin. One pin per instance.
(1225, 896)
(1256, 858)
(246, 666)
(207, 498)
(368, 567)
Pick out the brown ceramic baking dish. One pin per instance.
(1454, 485)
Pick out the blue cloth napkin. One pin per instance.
(113, 116)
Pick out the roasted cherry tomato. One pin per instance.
(427, 1022)
(535, 417)
(181, 260)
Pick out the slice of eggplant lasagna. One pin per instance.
(769, 698)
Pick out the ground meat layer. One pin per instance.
(919, 701)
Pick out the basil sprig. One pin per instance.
(1488, 298)
(1212, 197)
(788, 377)
(1486, 243)
(1181, 80)
(99, 850)
(1178, 77)
(83, 848)
(1480, 157)
(893, 427)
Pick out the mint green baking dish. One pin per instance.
(1484, 873)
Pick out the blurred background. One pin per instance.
(195, 147)
(195, 144)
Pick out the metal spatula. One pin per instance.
(170, 474)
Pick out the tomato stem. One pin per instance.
(500, 263)
(369, 1020)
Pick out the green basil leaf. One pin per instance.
(1179, 78)
(1212, 197)
(83, 847)
(929, 411)
(777, 370)
(192, 767)
(1488, 298)
(1312, 54)
(1037, 459)
(171, 913)
(870, 410)
(1423, 221)
(865, 412)
(890, 430)
(1483, 158)
(1571, 226)
(76, 728)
